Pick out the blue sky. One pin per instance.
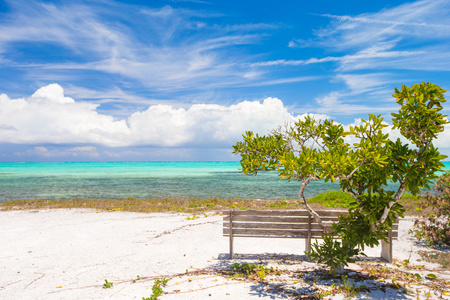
(182, 80)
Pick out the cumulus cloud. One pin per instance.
(48, 117)
(205, 124)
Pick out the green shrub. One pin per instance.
(410, 196)
(435, 228)
(332, 199)
(281, 204)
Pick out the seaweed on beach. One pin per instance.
(187, 205)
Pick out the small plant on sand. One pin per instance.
(108, 285)
(322, 294)
(157, 289)
(248, 270)
(333, 254)
(243, 268)
(349, 289)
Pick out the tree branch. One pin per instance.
(315, 215)
(387, 209)
(351, 173)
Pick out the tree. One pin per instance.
(363, 160)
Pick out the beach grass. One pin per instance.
(332, 199)
(328, 200)
(185, 205)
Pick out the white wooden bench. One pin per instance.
(288, 224)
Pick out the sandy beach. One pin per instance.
(68, 254)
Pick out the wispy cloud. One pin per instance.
(364, 83)
(162, 49)
(284, 62)
(359, 60)
(412, 36)
(341, 103)
(408, 25)
(384, 22)
(286, 80)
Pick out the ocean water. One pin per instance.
(146, 180)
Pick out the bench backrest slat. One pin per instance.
(284, 213)
(273, 225)
(269, 232)
(279, 223)
(266, 219)
(260, 232)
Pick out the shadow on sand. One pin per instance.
(308, 280)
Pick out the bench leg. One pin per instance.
(231, 246)
(307, 245)
(386, 249)
(231, 234)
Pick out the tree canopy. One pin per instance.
(363, 159)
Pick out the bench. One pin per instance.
(288, 224)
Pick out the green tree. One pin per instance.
(363, 160)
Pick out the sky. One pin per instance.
(182, 80)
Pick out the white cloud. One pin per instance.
(364, 83)
(363, 59)
(207, 124)
(165, 49)
(382, 39)
(443, 141)
(347, 103)
(285, 62)
(412, 36)
(380, 21)
(421, 20)
(40, 151)
(49, 117)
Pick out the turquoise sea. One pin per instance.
(146, 180)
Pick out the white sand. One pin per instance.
(67, 254)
